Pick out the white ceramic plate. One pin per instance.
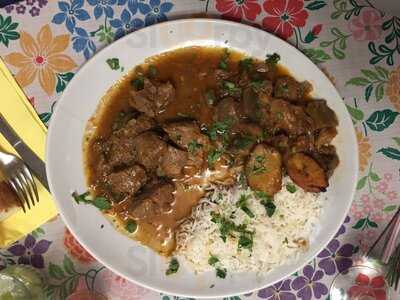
(79, 101)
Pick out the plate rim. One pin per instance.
(93, 60)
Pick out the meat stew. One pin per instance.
(198, 116)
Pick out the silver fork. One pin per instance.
(20, 179)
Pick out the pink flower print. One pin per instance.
(367, 209)
(358, 215)
(379, 203)
(365, 199)
(120, 288)
(377, 217)
(367, 26)
(388, 176)
(82, 293)
(382, 186)
(368, 288)
(371, 235)
(392, 195)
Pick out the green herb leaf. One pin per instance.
(213, 156)
(291, 188)
(273, 58)
(101, 203)
(231, 88)
(173, 267)
(221, 273)
(267, 202)
(81, 198)
(138, 83)
(220, 128)
(242, 141)
(153, 72)
(210, 97)
(193, 146)
(131, 226)
(242, 204)
(213, 260)
(245, 64)
(246, 241)
(223, 64)
(113, 63)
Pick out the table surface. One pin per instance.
(357, 46)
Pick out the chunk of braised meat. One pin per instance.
(303, 143)
(173, 162)
(136, 126)
(288, 88)
(152, 99)
(263, 70)
(307, 173)
(280, 142)
(186, 133)
(126, 182)
(264, 169)
(250, 104)
(153, 201)
(221, 75)
(263, 90)
(325, 136)
(245, 135)
(120, 149)
(321, 114)
(228, 109)
(288, 117)
(148, 149)
(327, 158)
(100, 150)
(222, 172)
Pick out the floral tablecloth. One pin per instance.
(357, 46)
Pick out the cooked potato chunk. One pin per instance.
(307, 173)
(264, 169)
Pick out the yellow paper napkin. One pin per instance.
(19, 113)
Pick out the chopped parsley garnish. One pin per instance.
(131, 226)
(243, 141)
(279, 115)
(221, 273)
(152, 71)
(291, 188)
(173, 267)
(227, 227)
(258, 167)
(267, 202)
(242, 204)
(257, 85)
(210, 97)
(138, 83)
(243, 181)
(223, 64)
(213, 260)
(193, 146)
(220, 128)
(245, 64)
(213, 156)
(99, 202)
(273, 58)
(113, 63)
(286, 241)
(231, 88)
(246, 240)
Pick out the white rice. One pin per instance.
(277, 239)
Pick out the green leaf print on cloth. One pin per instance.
(391, 47)
(7, 30)
(391, 152)
(382, 119)
(338, 44)
(348, 8)
(373, 81)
